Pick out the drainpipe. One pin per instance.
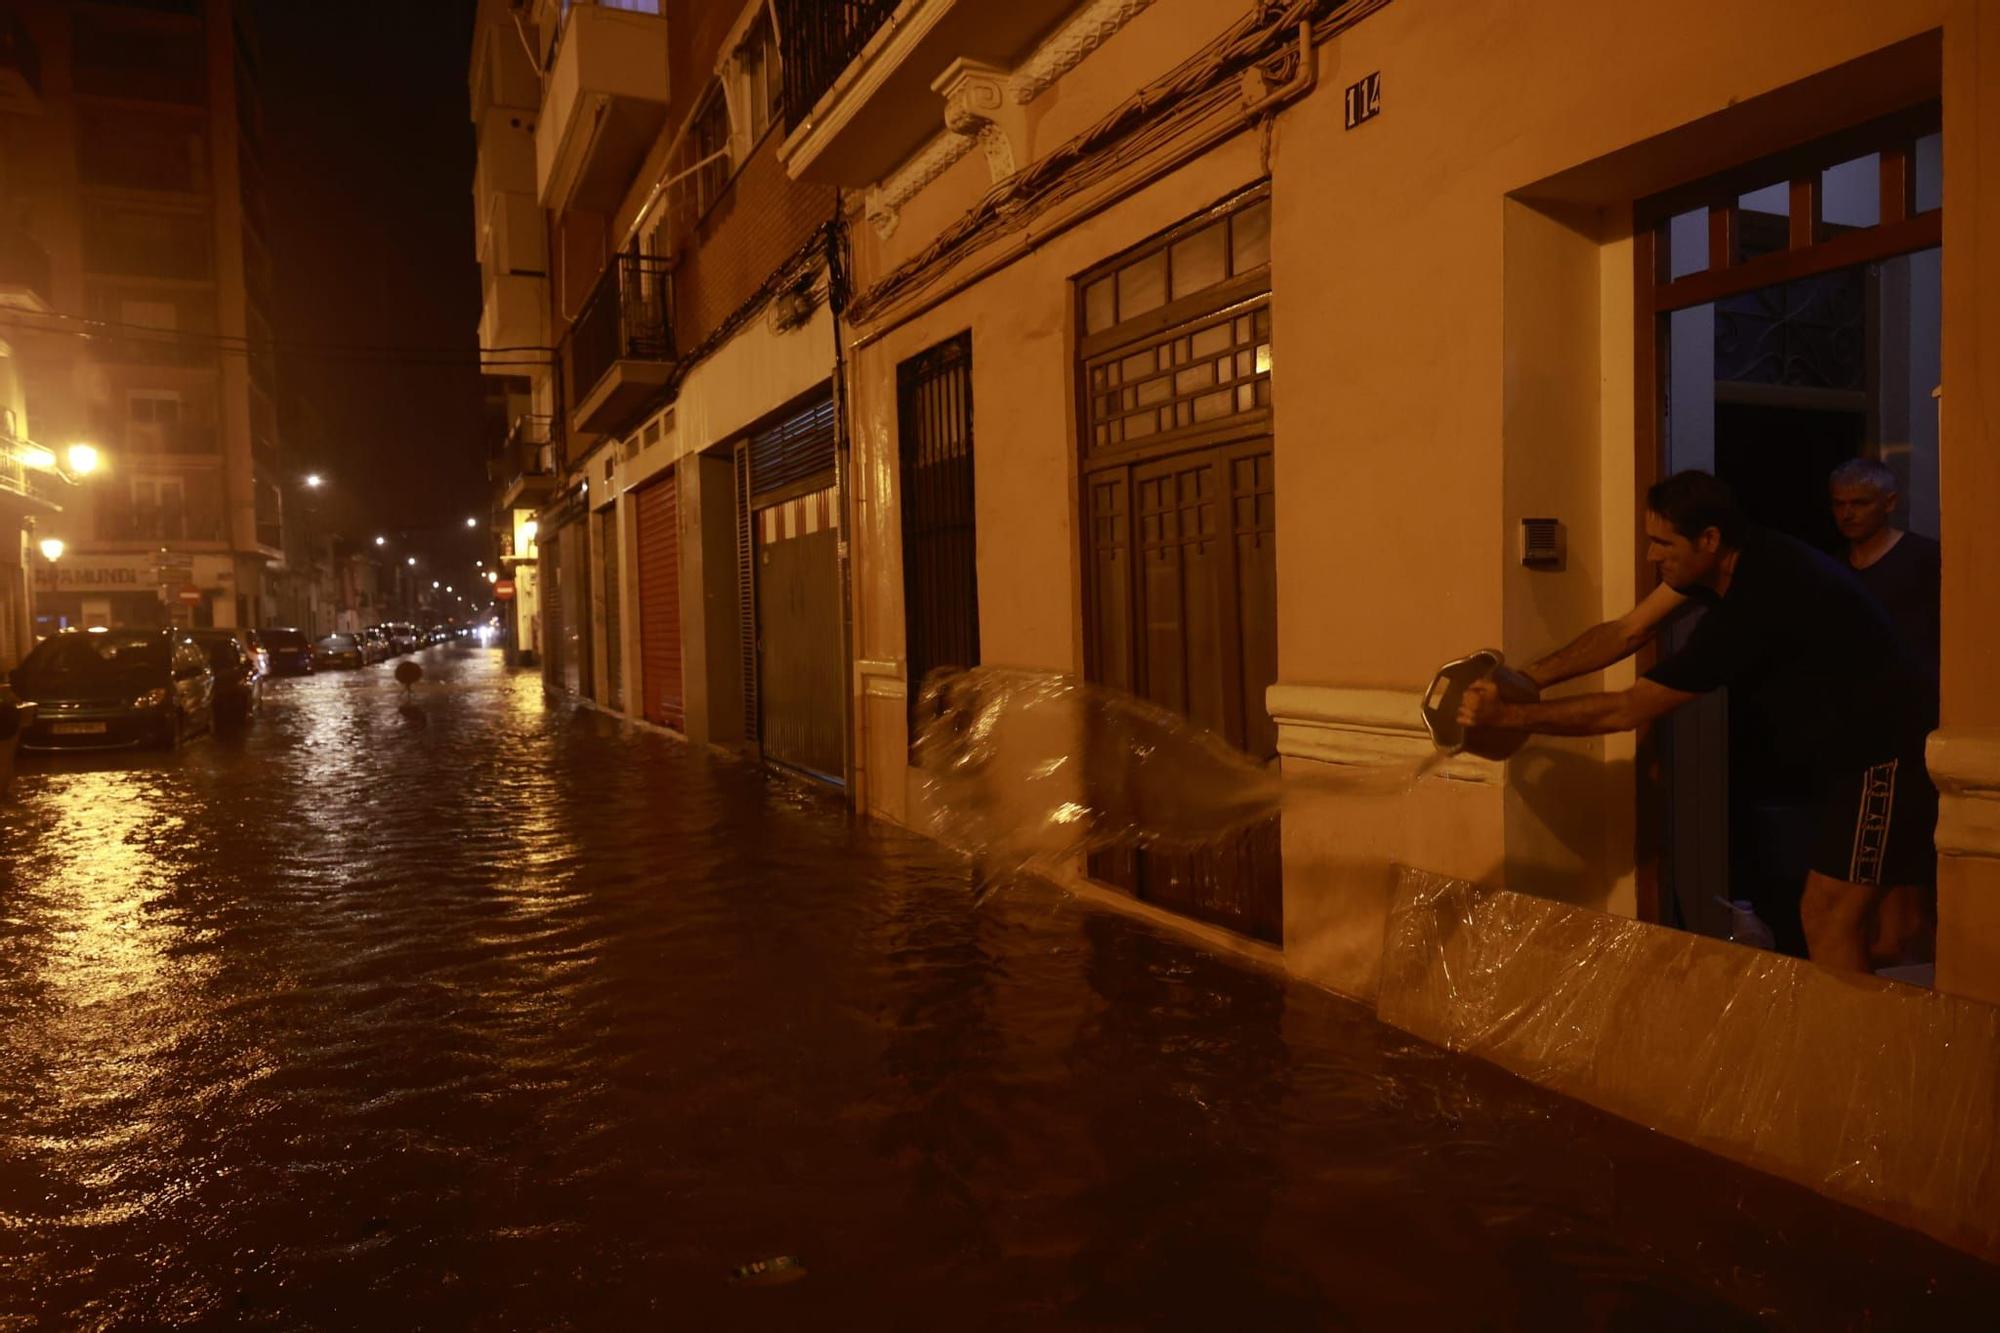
(843, 468)
(1298, 85)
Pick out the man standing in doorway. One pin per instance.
(1902, 569)
(1794, 637)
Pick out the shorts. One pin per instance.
(1878, 824)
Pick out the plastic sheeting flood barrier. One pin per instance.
(1880, 1095)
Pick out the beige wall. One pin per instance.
(1453, 298)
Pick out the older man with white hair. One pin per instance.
(1899, 567)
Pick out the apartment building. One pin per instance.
(675, 485)
(139, 175)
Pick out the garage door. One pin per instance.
(660, 604)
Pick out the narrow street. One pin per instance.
(525, 1019)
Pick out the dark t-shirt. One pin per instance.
(1905, 581)
(1800, 642)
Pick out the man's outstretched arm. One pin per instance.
(1613, 641)
(1579, 715)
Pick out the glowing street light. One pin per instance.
(82, 459)
(412, 560)
(314, 481)
(381, 541)
(447, 587)
(471, 522)
(434, 583)
(52, 549)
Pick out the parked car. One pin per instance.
(290, 651)
(374, 645)
(402, 635)
(102, 688)
(338, 650)
(239, 682)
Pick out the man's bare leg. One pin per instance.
(1837, 916)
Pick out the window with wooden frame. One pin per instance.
(760, 79)
(701, 165)
(1761, 335)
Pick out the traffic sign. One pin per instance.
(190, 594)
(503, 590)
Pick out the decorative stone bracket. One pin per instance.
(985, 105)
(979, 104)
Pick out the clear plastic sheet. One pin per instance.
(1028, 768)
(1883, 1096)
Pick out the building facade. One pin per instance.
(139, 176)
(1254, 359)
(667, 503)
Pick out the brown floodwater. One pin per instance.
(524, 1019)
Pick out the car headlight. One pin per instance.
(153, 698)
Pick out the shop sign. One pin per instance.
(98, 573)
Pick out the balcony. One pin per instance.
(604, 102)
(20, 67)
(159, 523)
(512, 238)
(516, 314)
(621, 348)
(24, 273)
(522, 466)
(858, 74)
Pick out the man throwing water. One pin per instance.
(1796, 638)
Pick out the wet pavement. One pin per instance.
(524, 1019)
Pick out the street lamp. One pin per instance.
(434, 583)
(381, 541)
(471, 522)
(81, 459)
(52, 549)
(314, 481)
(412, 560)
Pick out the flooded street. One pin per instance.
(523, 1019)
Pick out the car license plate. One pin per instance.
(78, 728)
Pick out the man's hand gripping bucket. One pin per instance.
(1449, 685)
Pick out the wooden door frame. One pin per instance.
(1899, 230)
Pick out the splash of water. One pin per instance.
(1027, 769)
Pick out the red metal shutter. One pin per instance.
(664, 701)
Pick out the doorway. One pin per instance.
(1789, 311)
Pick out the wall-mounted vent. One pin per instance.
(1542, 543)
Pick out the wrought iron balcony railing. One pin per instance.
(627, 318)
(525, 451)
(200, 523)
(819, 39)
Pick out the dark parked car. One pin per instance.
(338, 650)
(290, 651)
(239, 682)
(113, 687)
(255, 643)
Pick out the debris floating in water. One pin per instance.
(771, 1272)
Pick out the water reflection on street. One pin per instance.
(526, 1019)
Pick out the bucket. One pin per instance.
(1449, 685)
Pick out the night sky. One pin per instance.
(369, 159)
